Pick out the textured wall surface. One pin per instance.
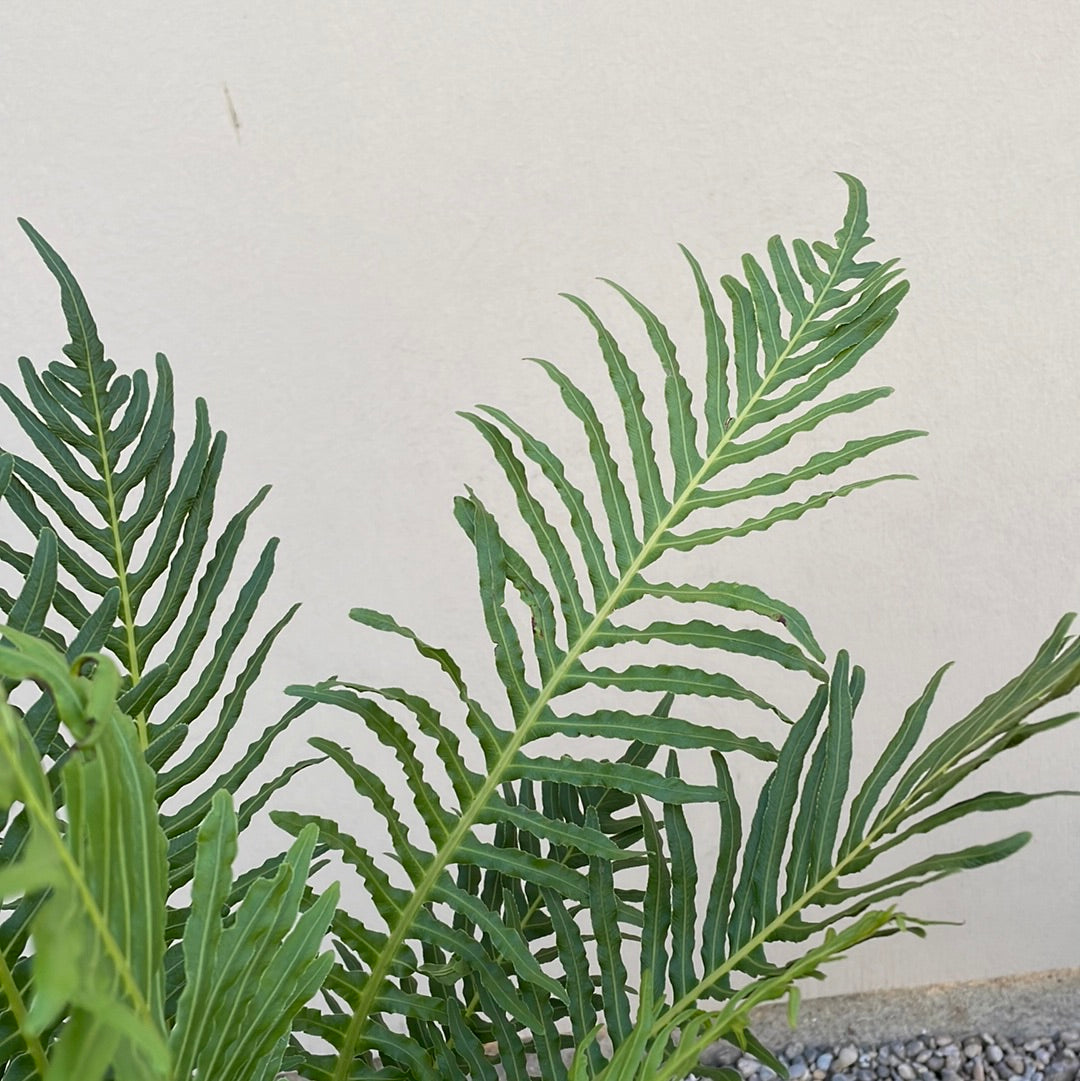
(344, 221)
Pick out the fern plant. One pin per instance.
(127, 562)
(505, 911)
(517, 880)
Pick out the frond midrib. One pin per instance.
(119, 561)
(100, 433)
(20, 1012)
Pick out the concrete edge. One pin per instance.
(1025, 1006)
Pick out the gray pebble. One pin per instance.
(747, 1066)
(724, 1055)
(847, 1056)
(824, 1060)
(994, 1053)
(1015, 1063)
(972, 1048)
(905, 1071)
(797, 1068)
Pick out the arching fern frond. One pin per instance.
(794, 331)
(128, 561)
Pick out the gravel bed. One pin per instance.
(981, 1057)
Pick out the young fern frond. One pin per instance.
(98, 934)
(91, 1001)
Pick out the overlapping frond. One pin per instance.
(793, 334)
(801, 870)
(92, 1000)
(97, 928)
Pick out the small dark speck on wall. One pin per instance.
(233, 118)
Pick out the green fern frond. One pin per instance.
(127, 561)
(108, 444)
(794, 333)
(507, 881)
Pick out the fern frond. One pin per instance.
(108, 448)
(795, 841)
(129, 563)
(565, 828)
(794, 334)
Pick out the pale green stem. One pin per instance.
(119, 562)
(18, 1010)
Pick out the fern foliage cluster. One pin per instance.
(533, 889)
(514, 937)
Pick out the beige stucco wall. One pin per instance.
(382, 233)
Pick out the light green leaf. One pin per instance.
(652, 501)
(661, 731)
(682, 425)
